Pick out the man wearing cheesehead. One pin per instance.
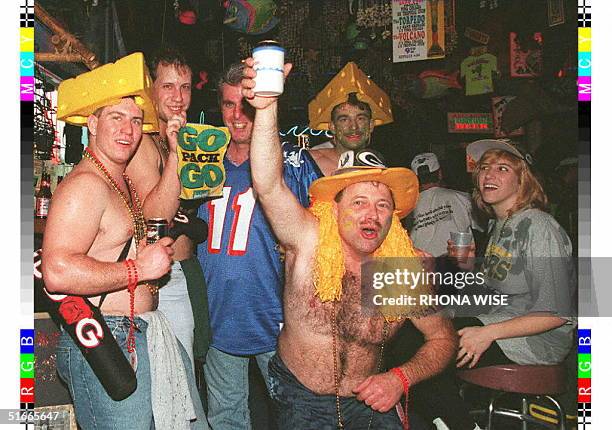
(96, 211)
(327, 369)
(350, 106)
(154, 172)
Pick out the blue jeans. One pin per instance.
(300, 408)
(227, 379)
(94, 409)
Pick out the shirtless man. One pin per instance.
(325, 373)
(95, 212)
(154, 172)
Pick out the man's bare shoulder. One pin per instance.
(79, 201)
(322, 153)
(326, 159)
(82, 185)
(146, 157)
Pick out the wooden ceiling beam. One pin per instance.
(86, 55)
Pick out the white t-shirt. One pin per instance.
(440, 211)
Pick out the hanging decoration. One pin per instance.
(372, 19)
(203, 75)
(378, 15)
(498, 106)
(526, 55)
(250, 16)
(431, 84)
(418, 30)
(478, 70)
(491, 4)
(450, 27)
(556, 13)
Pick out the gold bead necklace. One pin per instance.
(134, 209)
(340, 424)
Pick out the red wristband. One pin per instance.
(406, 384)
(400, 374)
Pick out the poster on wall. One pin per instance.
(498, 106)
(525, 55)
(556, 14)
(418, 30)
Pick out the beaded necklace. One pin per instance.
(138, 222)
(336, 373)
(134, 209)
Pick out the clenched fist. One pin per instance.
(174, 124)
(154, 260)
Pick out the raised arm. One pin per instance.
(66, 266)
(159, 192)
(289, 220)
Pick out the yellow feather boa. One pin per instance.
(329, 261)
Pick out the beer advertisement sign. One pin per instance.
(418, 30)
(201, 149)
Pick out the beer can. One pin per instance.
(156, 229)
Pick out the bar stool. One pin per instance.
(528, 381)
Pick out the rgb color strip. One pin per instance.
(26, 366)
(584, 378)
(26, 92)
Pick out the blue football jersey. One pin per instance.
(241, 259)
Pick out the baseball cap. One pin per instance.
(475, 150)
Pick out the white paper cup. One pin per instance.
(269, 62)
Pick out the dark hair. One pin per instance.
(427, 177)
(353, 101)
(167, 56)
(231, 76)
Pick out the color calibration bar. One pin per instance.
(26, 91)
(584, 99)
(584, 378)
(584, 50)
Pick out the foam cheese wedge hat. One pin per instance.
(366, 165)
(106, 85)
(349, 80)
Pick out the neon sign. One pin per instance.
(305, 130)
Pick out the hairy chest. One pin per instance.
(353, 323)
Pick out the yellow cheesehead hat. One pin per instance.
(349, 80)
(105, 86)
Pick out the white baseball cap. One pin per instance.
(475, 150)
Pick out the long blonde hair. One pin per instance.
(329, 261)
(530, 193)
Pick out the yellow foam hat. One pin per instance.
(106, 85)
(349, 80)
(366, 166)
